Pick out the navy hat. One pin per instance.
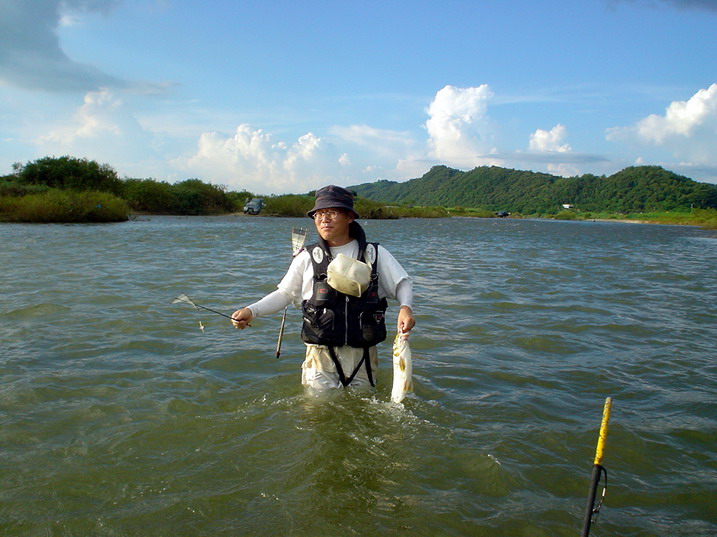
(333, 197)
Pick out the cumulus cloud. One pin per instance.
(103, 128)
(96, 117)
(459, 129)
(688, 129)
(31, 55)
(254, 160)
(542, 140)
(550, 144)
(459, 135)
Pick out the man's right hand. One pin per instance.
(241, 318)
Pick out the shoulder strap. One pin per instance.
(370, 256)
(320, 258)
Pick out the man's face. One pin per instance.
(333, 225)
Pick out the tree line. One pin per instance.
(68, 189)
(633, 189)
(56, 183)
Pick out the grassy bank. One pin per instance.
(39, 203)
(298, 205)
(705, 218)
(295, 205)
(66, 206)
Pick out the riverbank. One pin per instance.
(65, 206)
(704, 218)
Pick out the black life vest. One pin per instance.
(335, 319)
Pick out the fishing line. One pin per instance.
(298, 238)
(184, 298)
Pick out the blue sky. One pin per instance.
(287, 96)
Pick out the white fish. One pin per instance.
(402, 368)
(201, 326)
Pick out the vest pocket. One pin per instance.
(319, 326)
(373, 327)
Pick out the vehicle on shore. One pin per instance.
(254, 206)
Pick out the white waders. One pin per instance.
(319, 370)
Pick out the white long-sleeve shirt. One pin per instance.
(298, 283)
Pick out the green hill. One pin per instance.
(634, 189)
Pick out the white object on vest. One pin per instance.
(348, 276)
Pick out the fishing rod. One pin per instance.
(298, 238)
(184, 298)
(591, 511)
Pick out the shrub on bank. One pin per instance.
(148, 195)
(70, 173)
(65, 206)
(190, 197)
(371, 209)
(193, 197)
(10, 186)
(422, 212)
(476, 212)
(566, 215)
(288, 205)
(707, 218)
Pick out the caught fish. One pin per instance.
(201, 326)
(402, 368)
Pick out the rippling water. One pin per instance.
(120, 417)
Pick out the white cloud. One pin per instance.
(542, 140)
(688, 129)
(459, 129)
(103, 128)
(96, 116)
(563, 169)
(550, 144)
(345, 160)
(254, 160)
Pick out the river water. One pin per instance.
(119, 416)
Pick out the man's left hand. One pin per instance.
(405, 320)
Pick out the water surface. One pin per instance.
(119, 416)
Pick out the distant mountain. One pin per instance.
(637, 188)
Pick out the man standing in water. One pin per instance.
(343, 300)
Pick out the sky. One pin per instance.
(285, 96)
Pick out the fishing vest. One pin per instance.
(335, 319)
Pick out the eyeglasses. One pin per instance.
(331, 214)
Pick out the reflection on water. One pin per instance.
(121, 417)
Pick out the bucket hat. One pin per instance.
(333, 197)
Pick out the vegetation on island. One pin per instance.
(634, 189)
(68, 189)
(638, 193)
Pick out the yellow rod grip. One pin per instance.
(603, 431)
